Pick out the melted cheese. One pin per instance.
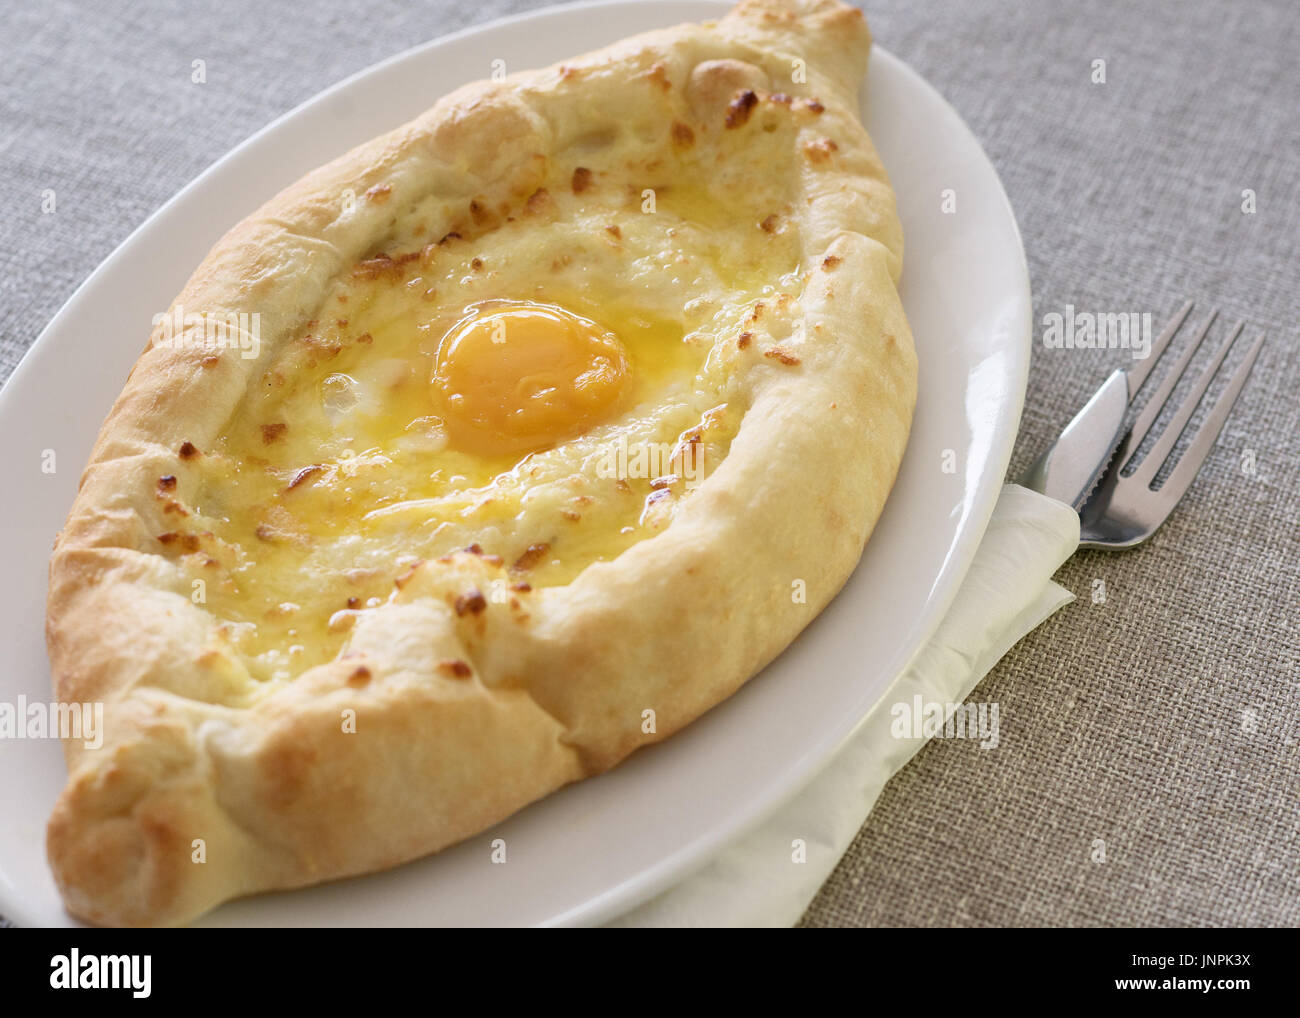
(347, 464)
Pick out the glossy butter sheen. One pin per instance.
(343, 468)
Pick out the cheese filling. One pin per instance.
(546, 390)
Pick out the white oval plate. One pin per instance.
(604, 845)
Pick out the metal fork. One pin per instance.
(1085, 467)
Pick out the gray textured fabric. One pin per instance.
(1161, 722)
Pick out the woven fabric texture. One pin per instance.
(1149, 765)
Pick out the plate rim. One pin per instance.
(672, 869)
(619, 898)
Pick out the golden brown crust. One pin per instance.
(463, 710)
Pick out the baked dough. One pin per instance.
(286, 742)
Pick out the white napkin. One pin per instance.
(1007, 593)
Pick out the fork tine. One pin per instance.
(1149, 467)
(1161, 396)
(1137, 375)
(1190, 464)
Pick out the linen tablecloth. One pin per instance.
(1148, 770)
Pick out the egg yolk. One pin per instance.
(522, 376)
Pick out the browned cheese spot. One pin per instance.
(471, 603)
(539, 201)
(379, 266)
(273, 432)
(658, 74)
(406, 577)
(189, 542)
(820, 151)
(455, 669)
(740, 108)
(531, 556)
(779, 354)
